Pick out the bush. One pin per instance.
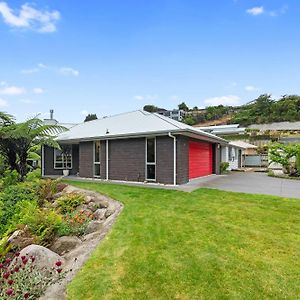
(43, 223)
(68, 203)
(10, 197)
(223, 167)
(10, 178)
(75, 223)
(298, 162)
(21, 279)
(34, 175)
(46, 190)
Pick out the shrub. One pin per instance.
(10, 197)
(75, 223)
(47, 189)
(10, 178)
(43, 223)
(298, 162)
(68, 202)
(223, 167)
(21, 279)
(34, 175)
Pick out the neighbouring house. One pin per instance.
(232, 154)
(175, 114)
(223, 130)
(136, 146)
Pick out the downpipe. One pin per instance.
(174, 157)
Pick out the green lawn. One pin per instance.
(208, 244)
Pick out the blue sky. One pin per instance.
(112, 56)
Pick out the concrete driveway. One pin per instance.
(248, 182)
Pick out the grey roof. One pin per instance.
(223, 129)
(131, 124)
(277, 126)
(242, 144)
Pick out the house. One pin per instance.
(232, 153)
(175, 114)
(223, 130)
(137, 146)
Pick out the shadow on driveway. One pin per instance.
(248, 182)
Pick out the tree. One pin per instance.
(19, 142)
(183, 106)
(189, 120)
(90, 117)
(151, 108)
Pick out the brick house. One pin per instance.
(136, 146)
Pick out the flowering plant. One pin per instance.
(22, 279)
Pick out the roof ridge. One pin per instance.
(165, 119)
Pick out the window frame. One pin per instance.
(94, 156)
(55, 161)
(146, 159)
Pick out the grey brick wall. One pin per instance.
(182, 159)
(49, 161)
(126, 159)
(86, 164)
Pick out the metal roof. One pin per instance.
(131, 124)
(242, 144)
(277, 126)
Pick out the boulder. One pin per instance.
(93, 206)
(94, 226)
(111, 209)
(88, 199)
(44, 258)
(65, 244)
(21, 238)
(101, 201)
(70, 189)
(57, 195)
(99, 214)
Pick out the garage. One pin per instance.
(200, 159)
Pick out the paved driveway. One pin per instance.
(249, 182)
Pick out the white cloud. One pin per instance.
(146, 97)
(30, 18)
(30, 71)
(27, 101)
(3, 103)
(225, 100)
(12, 90)
(278, 12)
(38, 91)
(251, 88)
(255, 11)
(68, 71)
(84, 112)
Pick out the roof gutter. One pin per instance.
(174, 157)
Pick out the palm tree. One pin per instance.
(23, 139)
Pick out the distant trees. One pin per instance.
(90, 117)
(183, 106)
(151, 108)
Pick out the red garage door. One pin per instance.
(200, 159)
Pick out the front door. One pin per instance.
(97, 156)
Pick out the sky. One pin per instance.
(114, 56)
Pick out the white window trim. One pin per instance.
(150, 163)
(96, 162)
(62, 168)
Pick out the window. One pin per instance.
(63, 157)
(151, 159)
(97, 158)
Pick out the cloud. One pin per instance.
(224, 100)
(84, 112)
(27, 101)
(68, 71)
(12, 90)
(146, 97)
(3, 103)
(38, 91)
(251, 88)
(278, 12)
(255, 11)
(30, 18)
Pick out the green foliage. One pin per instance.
(151, 108)
(47, 188)
(282, 154)
(43, 223)
(10, 196)
(68, 202)
(90, 117)
(34, 175)
(10, 178)
(183, 106)
(223, 167)
(189, 120)
(298, 161)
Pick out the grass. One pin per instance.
(208, 244)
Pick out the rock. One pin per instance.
(93, 206)
(88, 199)
(21, 238)
(44, 258)
(65, 243)
(57, 195)
(99, 214)
(101, 201)
(109, 211)
(70, 189)
(94, 226)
